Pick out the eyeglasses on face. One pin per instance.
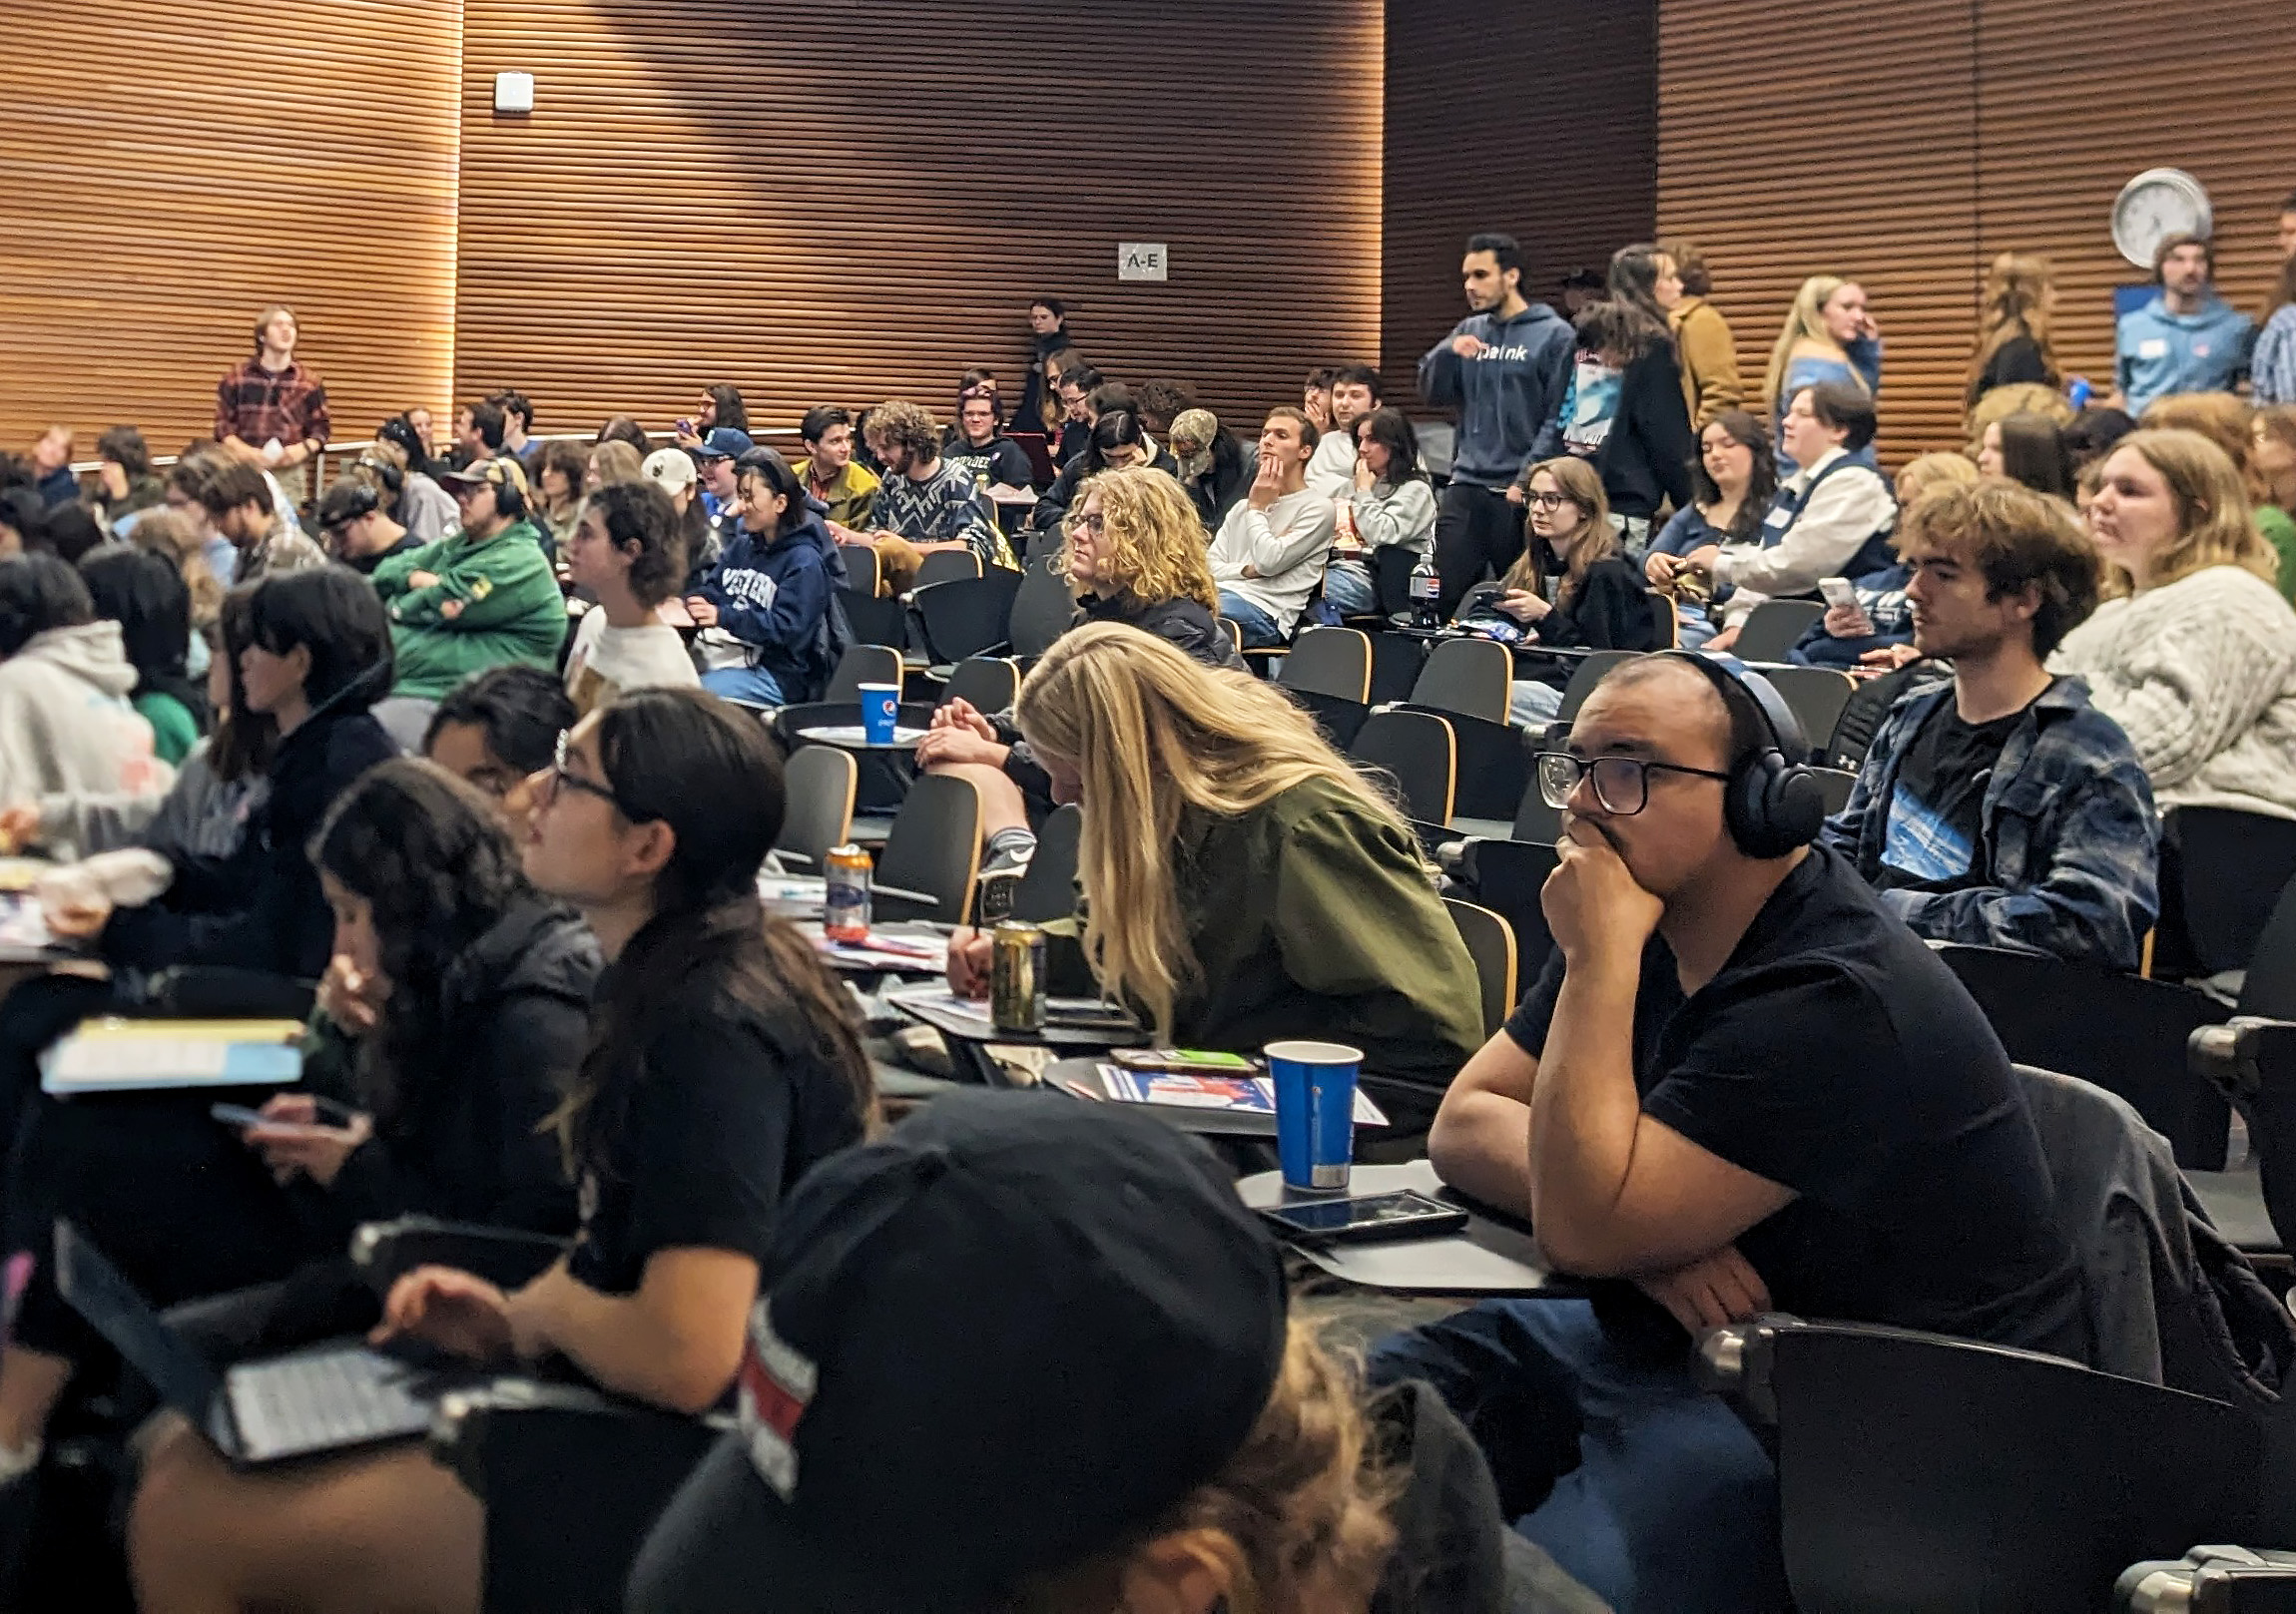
(1621, 783)
(1548, 501)
(558, 777)
(1092, 521)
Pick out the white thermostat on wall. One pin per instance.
(513, 92)
(2157, 204)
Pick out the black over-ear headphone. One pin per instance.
(1772, 803)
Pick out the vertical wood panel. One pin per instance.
(1831, 137)
(1537, 118)
(843, 202)
(170, 170)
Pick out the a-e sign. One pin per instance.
(1140, 259)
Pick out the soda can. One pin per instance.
(1016, 977)
(844, 901)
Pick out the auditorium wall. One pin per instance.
(1906, 145)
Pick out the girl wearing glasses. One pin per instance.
(1569, 590)
(723, 1061)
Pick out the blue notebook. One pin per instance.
(113, 1055)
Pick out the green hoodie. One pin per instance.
(497, 602)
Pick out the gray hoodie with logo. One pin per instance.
(1509, 396)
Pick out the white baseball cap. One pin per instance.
(669, 469)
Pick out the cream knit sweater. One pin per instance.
(2202, 673)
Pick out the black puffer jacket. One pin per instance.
(467, 1144)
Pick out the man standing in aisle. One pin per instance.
(1506, 368)
(2187, 338)
(270, 409)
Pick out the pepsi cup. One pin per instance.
(1315, 1112)
(879, 705)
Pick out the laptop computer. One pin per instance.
(331, 1398)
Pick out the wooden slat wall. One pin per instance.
(842, 201)
(169, 169)
(1904, 144)
(1836, 137)
(1537, 118)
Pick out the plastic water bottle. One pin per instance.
(1425, 587)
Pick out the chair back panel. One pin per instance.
(1043, 608)
(988, 682)
(2229, 869)
(863, 664)
(946, 566)
(875, 621)
(1471, 676)
(1774, 627)
(862, 571)
(1816, 696)
(1418, 749)
(933, 848)
(1589, 672)
(1329, 661)
(1048, 889)
(966, 616)
(819, 782)
(1491, 944)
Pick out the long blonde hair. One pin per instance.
(1151, 539)
(1804, 321)
(1296, 1520)
(1152, 735)
(1580, 483)
(2018, 291)
(2214, 526)
(2221, 417)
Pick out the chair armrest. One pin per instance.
(506, 1257)
(2231, 1056)
(2209, 1580)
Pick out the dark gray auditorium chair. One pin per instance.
(1775, 627)
(1474, 676)
(965, 615)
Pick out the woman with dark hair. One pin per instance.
(319, 656)
(1624, 411)
(65, 720)
(455, 1011)
(1392, 507)
(2026, 449)
(558, 492)
(1733, 482)
(2091, 435)
(68, 532)
(724, 1061)
(624, 428)
(627, 551)
(1039, 410)
(146, 596)
(125, 481)
(1118, 442)
(768, 614)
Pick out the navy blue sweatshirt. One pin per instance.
(775, 597)
(1507, 397)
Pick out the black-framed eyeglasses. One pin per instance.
(1621, 783)
(1089, 521)
(1549, 501)
(562, 778)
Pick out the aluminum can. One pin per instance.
(845, 904)
(1016, 977)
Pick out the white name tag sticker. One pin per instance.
(2152, 348)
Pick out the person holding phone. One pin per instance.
(460, 996)
(723, 1060)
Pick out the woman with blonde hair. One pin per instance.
(2194, 651)
(2229, 423)
(2014, 345)
(1828, 336)
(1134, 553)
(1242, 882)
(1233, 1465)
(1571, 589)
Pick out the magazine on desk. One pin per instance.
(1229, 1095)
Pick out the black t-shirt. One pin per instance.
(1934, 839)
(1836, 1056)
(999, 460)
(726, 1120)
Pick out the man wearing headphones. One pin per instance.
(1740, 1086)
(483, 596)
(355, 525)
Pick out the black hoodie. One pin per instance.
(260, 907)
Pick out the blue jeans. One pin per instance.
(1647, 1489)
(744, 686)
(1532, 704)
(1347, 588)
(1259, 627)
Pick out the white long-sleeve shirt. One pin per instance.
(1833, 526)
(1285, 545)
(1331, 472)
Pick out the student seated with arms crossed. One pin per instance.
(767, 611)
(626, 549)
(1742, 1086)
(723, 1061)
(1998, 806)
(1268, 554)
(1135, 555)
(1242, 882)
(453, 1010)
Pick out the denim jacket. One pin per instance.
(2067, 826)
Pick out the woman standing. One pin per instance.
(2014, 345)
(1734, 481)
(724, 1061)
(1644, 448)
(1828, 336)
(1570, 590)
(1703, 341)
(2196, 657)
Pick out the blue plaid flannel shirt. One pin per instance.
(2068, 829)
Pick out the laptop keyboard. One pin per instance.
(323, 1401)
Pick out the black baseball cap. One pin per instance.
(997, 1341)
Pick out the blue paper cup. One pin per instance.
(879, 705)
(1315, 1112)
